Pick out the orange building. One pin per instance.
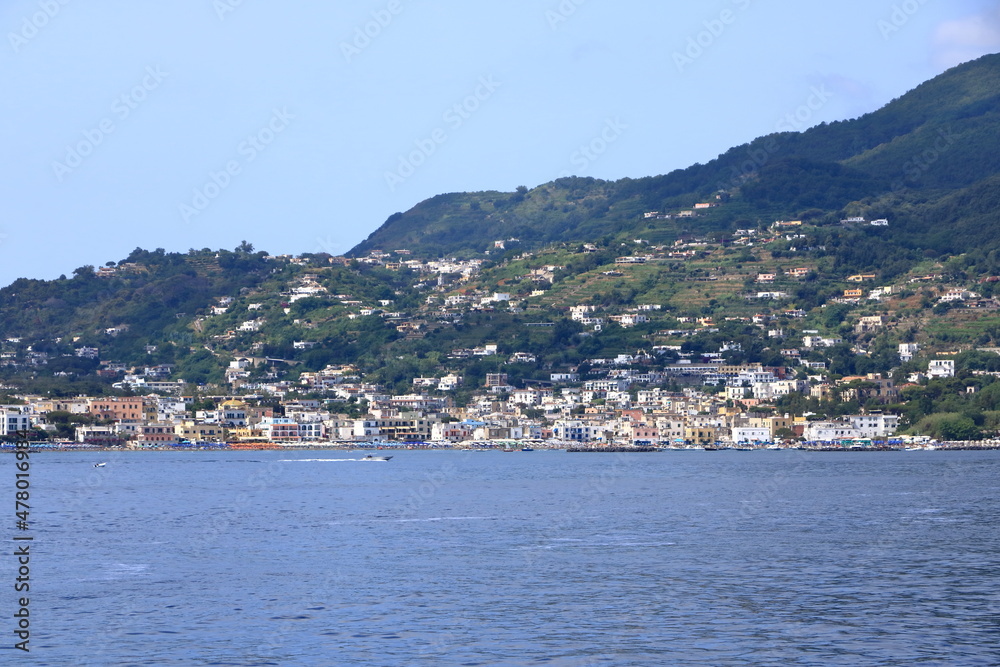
(117, 408)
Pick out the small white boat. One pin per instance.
(101, 464)
(376, 458)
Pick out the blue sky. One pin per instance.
(301, 126)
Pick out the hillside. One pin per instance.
(915, 152)
(819, 264)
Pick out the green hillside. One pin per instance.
(913, 154)
(875, 229)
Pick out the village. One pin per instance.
(674, 380)
(727, 406)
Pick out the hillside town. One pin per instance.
(621, 406)
(671, 377)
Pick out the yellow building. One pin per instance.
(700, 435)
(191, 430)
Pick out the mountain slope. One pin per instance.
(940, 137)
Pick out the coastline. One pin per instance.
(505, 446)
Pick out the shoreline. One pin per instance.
(486, 446)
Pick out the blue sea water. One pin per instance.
(525, 558)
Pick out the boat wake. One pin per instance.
(381, 459)
(433, 519)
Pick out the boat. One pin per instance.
(101, 464)
(527, 449)
(376, 458)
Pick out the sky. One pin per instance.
(300, 126)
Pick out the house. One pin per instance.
(751, 434)
(97, 435)
(766, 277)
(870, 323)
(941, 368)
(853, 293)
(861, 277)
(118, 409)
(13, 420)
(955, 295)
(157, 435)
(526, 397)
(875, 425)
(233, 413)
(871, 387)
(192, 430)
(576, 431)
(643, 433)
(630, 319)
(879, 292)
(907, 350)
(819, 341)
(496, 379)
(828, 431)
(282, 429)
(450, 382)
(158, 372)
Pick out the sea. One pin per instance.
(508, 558)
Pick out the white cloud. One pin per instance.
(965, 39)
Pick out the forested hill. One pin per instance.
(920, 158)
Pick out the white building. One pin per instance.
(252, 325)
(941, 368)
(829, 431)
(449, 382)
(875, 425)
(907, 350)
(13, 420)
(749, 434)
(819, 341)
(576, 431)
